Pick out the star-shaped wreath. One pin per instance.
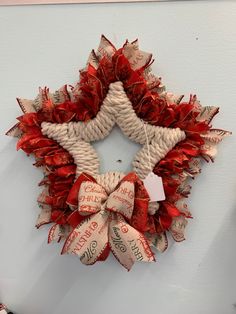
(97, 213)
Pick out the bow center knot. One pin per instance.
(93, 198)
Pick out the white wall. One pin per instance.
(195, 50)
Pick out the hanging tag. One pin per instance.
(154, 187)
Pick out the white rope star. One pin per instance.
(76, 137)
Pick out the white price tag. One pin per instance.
(154, 187)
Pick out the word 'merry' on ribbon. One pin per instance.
(106, 226)
(117, 86)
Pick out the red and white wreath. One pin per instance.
(95, 214)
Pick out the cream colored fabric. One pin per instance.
(76, 137)
(116, 108)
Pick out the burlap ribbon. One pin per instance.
(107, 225)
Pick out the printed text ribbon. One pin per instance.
(106, 226)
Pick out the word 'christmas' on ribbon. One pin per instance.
(106, 226)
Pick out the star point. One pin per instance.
(76, 137)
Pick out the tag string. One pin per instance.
(148, 147)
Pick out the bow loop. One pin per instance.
(91, 198)
(122, 199)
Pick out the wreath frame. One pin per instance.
(109, 75)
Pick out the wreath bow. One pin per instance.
(107, 225)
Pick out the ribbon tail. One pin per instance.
(58, 232)
(177, 228)
(44, 216)
(127, 244)
(90, 239)
(159, 241)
